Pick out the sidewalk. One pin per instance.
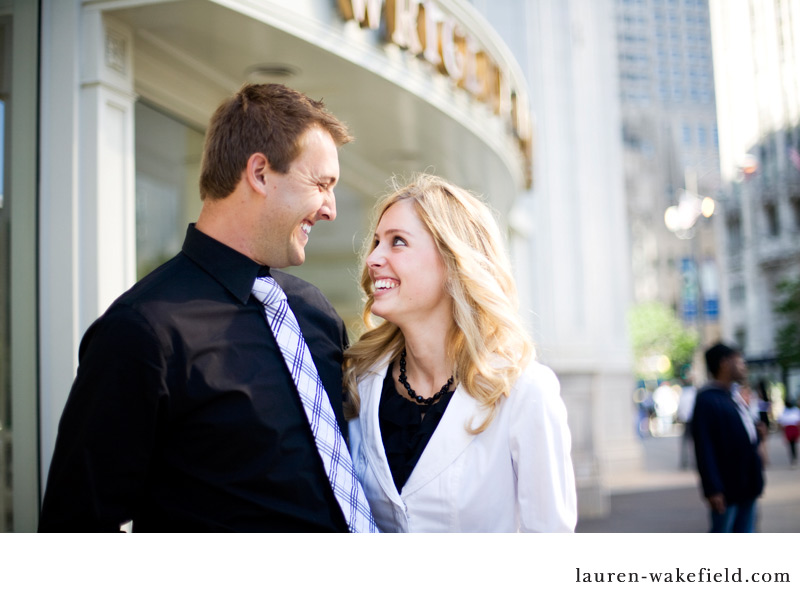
(663, 498)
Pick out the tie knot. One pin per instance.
(266, 290)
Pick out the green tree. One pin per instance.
(787, 310)
(662, 346)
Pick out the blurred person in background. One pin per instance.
(685, 411)
(789, 421)
(455, 427)
(764, 405)
(727, 444)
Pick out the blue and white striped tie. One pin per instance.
(330, 443)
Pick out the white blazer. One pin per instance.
(515, 476)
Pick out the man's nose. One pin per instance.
(328, 209)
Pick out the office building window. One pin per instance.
(701, 136)
(737, 294)
(734, 234)
(771, 219)
(687, 135)
(740, 335)
(168, 154)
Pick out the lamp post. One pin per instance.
(682, 220)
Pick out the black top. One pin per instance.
(727, 460)
(404, 430)
(183, 416)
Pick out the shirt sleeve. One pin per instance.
(540, 444)
(108, 428)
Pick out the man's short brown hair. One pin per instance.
(265, 118)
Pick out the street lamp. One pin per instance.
(681, 220)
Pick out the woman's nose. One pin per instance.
(375, 258)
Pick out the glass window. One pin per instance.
(795, 202)
(771, 219)
(6, 484)
(740, 335)
(5, 341)
(734, 234)
(168, 154)
(19, 446)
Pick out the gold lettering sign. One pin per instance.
(364, 12)
(423, 29)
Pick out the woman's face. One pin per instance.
(406, 269)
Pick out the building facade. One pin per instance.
(670, 135)
(571, 240)
(757, 71)
(104, 110)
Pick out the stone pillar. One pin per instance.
(581, 285)
(87, 200)
(108, 200)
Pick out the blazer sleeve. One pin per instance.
(540, 444)
(705, 416)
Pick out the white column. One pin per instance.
(58, 215)
(108, 203)
(582, 279)
(87, 201)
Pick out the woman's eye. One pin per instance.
(398, 241)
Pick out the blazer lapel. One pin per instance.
(371, 429)
(448, 441)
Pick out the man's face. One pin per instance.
(738, 368)
(298, 199)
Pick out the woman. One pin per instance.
(453, 427)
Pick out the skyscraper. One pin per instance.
(666, 83)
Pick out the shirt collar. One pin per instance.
(232, 269)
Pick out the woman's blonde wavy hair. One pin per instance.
(488, 343)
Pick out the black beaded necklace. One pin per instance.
(413, 394)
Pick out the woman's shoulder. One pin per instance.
(537, 377)
(536, 388)
(535, 401)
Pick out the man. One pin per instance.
(726, 444)
(184, 415)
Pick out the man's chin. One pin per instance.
(297, 259)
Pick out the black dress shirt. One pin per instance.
(406, 428)
(183, 416)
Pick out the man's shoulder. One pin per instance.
(303, 292)
(175, 277)
(711, 391)
(713, 397)
(170, 285)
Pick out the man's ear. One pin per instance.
(257, 172)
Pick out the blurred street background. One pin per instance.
(664, 497)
